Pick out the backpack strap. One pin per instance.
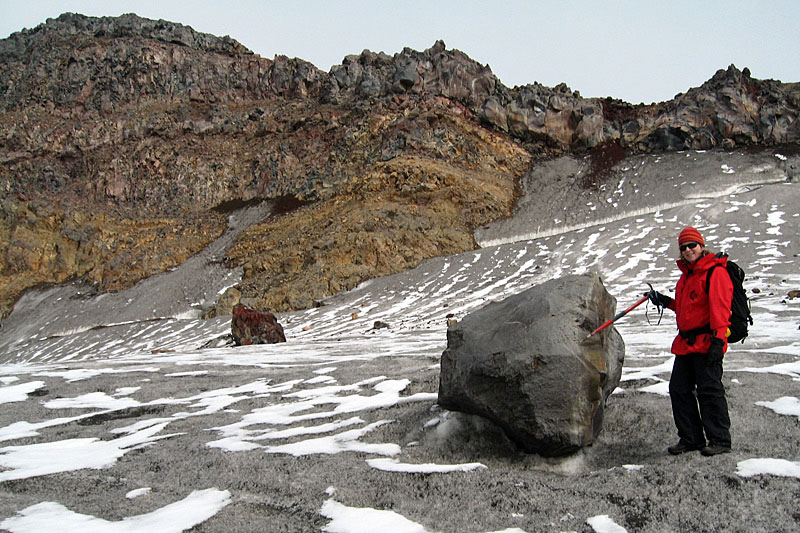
(691, 335)
(708, 278)
(718, 255)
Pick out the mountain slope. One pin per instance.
(124, 407)
(124, 142)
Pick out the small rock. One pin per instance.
(228, 301)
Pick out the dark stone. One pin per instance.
(406, 76)
(121, 414)
(525, 364)
(249, 326)
(666, 139)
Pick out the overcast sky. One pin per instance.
(638, 50)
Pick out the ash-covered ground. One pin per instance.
(133, 416)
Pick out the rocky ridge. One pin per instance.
(124, 141)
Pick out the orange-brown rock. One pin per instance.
(250, 326)
(45, 244)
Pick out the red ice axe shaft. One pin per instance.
(619, 315)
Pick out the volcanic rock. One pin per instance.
(123, 134)
(524, 364)
(249, 326)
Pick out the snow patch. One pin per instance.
(392, 465)
(765, 466)
(19, 392)
(41, 459)
(196, 508)
(137, 492)
(604, 524)
(365, 520)
(786, 405)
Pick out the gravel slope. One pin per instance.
(379, 385)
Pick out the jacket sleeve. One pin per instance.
(720, 296)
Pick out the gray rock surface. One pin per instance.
(523, 363)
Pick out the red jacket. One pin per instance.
(695, 308)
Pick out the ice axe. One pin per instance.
(618, 316)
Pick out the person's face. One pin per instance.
(691, 251)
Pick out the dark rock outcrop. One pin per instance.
(85, 64)
(249, 326)
(730, 109)
(523, 363)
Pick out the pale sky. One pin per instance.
(638, 50)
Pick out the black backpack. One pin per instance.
(740, 305)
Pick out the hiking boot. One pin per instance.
(715, 449)
(682, 447)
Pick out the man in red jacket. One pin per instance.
(698, 399)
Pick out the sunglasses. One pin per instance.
(690, 245)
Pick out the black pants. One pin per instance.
(698, 401)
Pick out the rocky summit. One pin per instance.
(126, 143)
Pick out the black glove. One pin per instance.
(715, 351)
(658, 299)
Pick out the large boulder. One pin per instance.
(526, 364)
(249, 326)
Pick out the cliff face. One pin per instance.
(119, 137)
